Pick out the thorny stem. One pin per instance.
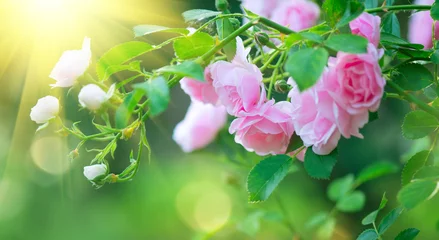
(399, 8)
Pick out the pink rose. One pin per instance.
(297, 14)
(261, 7)
(355, 81)
(200, 126)
(265, 130)
(420, 26)
(368, 26)
(238, 83)
(313, 114)
(71, 65)
(200, 91)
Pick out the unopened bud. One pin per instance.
(235, 23)
(263, 39)
(221, 5)
(281, 86)
(74, 154)
(127, 133)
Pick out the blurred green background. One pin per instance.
(175, 196)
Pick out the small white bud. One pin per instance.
(92, 96)
(94, 171)
(45, 109)
(71, 65)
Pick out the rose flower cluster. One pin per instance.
(338, 105)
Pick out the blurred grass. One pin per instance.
(171, 197)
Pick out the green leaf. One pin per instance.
(334, 10)
(320, 29)
(353, 10)
(428, 173)
(225, 28)
(121, 54)
(373, 116)
(415, 193)
(389, 219)
(142, 30)
(295, 143)
(306, 66)
(296, 37)
(391, 25)
(347, 43)
(371, 217)
(368, 234)
(157, 92)
(352, 202)
(408, 234)
(412, 77)
(119, 68)
(340, 187)
(418, 124)
(123, 113)
(193, 46)
(320, 166)
(266, 175)
(414, 164)
(317, 220)
(371, 3)
(434, 57)
(198, 14)
(434, 11)
(376, 170)
(389, 2)
(185, 69)
(388, 39)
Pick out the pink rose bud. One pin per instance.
(265, 130)
(355, 80)
(239, 83)
(368, 26)
(297, 14)
(314, 118)
(420, 26)
(45, 109)
(94, 171)
(71, 65)
(200, 91)
(92, 96)
(200, 126)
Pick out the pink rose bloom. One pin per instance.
(71, 65)
(368, 26)
(355, 81)
(297, 14)
(262, 7)
(265, 130)
(420, 26)
(200, 126)
(238, 83)
(200, 91)
(314, 118)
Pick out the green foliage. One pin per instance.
(371, 3)
(353, 10)
(390, 24)
(266, 175)
(347, 43)
(340, 187)
(427, 173)
(418, 124)
(414, 164)
(193, 46)
(408, 234)
(123, 113)
(199, 14)
(185, 69)
(390, 40)
(351, 202)
(306, 66)
(412, 77)
(389, 220)
(296, 37)
(371, 217)
(224, 29)
(376, 170)
(142, 30)
(157, 92)
(334, 10)
(368, 234)
(434, 12)
(295, 143)
(121, 54)
(320, 166)
(416, 192)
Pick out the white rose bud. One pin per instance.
(92, 96)
(45, 109)
(94, 171)
(71, 65)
